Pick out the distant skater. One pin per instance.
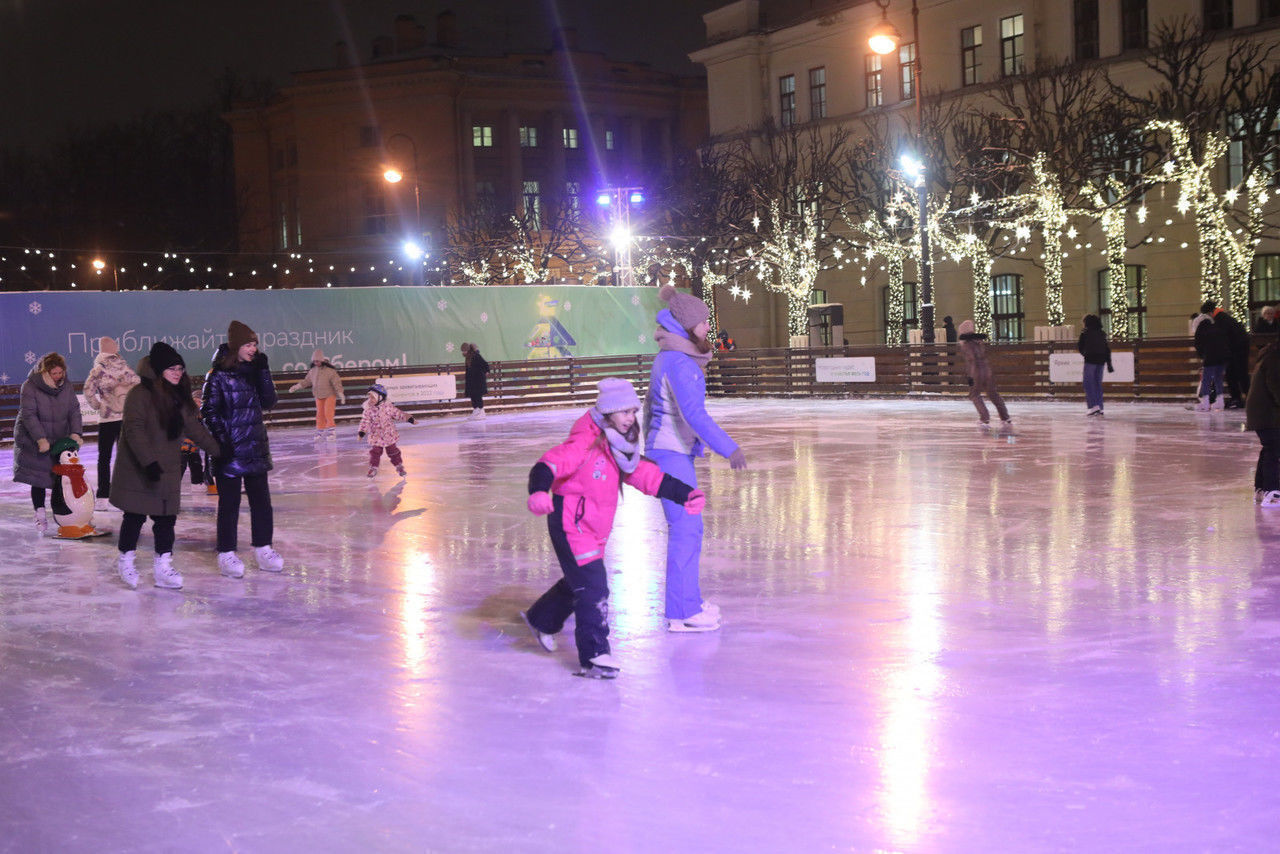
(576, 485)
(973, 347)
(1095, 348)
(326, 385)
(105, 389)
(476, 378)
(1214, 349)
(378, 422)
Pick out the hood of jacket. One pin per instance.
(40, 382)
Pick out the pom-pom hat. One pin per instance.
(687, 309)
(616, 395)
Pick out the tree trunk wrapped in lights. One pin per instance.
(1112, 219)
(787, 262)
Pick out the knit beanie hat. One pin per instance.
(687, 309)
(163, 357)
(616, 395)
(965, 327)
(317, 356)
(238, 334)
(379, 389)
(108, 345)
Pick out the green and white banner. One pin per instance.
(356, 327)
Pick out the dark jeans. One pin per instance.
(1267, 474)
(477, 401)
(261, 520)
(161, 528)
(1093, 385)
(583, 592)
(108, 433)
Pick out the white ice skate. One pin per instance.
(703, 621)
(230, 565)
(600, 667)
(269, 559)
(546, 641)
(128, 570)
(164, 573)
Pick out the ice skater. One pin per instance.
(47, 411)
(973, 347)
(1096, 350)
(147, 478)
(676, 427)
(1214, 349)
(379, 423)
(1262, 415)
(105, 389)
(236, 393)
(578, 483)
(475, 379)
(326, 385)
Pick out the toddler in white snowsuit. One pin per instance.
(379, 423)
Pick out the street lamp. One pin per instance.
(393, 175)
(620, 201)
(99, 265)
(885, 39)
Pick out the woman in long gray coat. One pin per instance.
(147, 479)
(48, 411)
(973, 347)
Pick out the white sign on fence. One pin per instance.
(845, 369)
(1069, 368)
(420, 387)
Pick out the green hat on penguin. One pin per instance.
(66, 443)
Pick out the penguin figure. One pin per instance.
(72, 500)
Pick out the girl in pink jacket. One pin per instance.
(578, 484)
(379, 423)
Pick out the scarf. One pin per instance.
(668, 340)
(625, 452)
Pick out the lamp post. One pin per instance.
(99, 265)
(412, 248)
(620, 200)
(885, 39)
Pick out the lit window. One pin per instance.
(528, 137)
(570, 137)
(1006, 307)
(1011, 35)
(907, 71)
(817, 93)
(608, 140)
(787, 100)
(482, 136)
(875, 80)
(971, 55)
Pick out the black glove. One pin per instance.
(1110, 369)
(153, 471)
(361, 434)
(412, 420)
(259, 361)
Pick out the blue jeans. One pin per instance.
(684, 540)
(1093, 385)
(1211, 378)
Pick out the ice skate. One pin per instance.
(600, 667)
(331, 434)
(546, 641)
(42, 521)
(703, 621)
(230, 565)
(1218, 405)
(1006, 425)
(101, 505)
(1094, 410)
(400, 471)
(1270, 500)
(373, 471)
(164, 573)
(127, 569)
(269, 559)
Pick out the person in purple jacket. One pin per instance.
(676, 428)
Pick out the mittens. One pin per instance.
(540, 503)
(696, 501)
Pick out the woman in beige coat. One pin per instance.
(147, 478)
(326, 384)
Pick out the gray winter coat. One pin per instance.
(144, 440)
(47, 413)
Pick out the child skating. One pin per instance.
(379, 423)
(576, 485)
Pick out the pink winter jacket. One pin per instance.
(587, 477)
(379, 423)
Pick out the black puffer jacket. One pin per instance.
(1093, 342)
(1211, 342)
(234, 400)
(476, 381)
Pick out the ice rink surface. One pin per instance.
(936, 639)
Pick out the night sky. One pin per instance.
(68, 62)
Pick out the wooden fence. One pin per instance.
(1164, 369)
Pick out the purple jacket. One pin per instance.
(675, 411)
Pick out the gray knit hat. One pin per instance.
(687, 309)
(616, 395)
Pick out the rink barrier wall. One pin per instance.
(1165, 369)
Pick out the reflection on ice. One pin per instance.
(936, 639)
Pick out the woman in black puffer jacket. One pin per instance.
(236, 393)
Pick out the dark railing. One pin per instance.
(1164, 369)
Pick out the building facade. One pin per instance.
(807, 62)
(518, 132)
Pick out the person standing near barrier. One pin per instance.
(47, 411)
(105, 390)
(236, 393)
(326, 384)
(475, 380)
(1214, 350)
(1093, 345)
(147, 479)
(1262, 415)
(973, 347)
(676, 427)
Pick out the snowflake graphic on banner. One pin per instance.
(29, 357)
(34, 307)
(4, 379)
(484, 317)
(568, 306)
(448, 348)
(643, 338)
(635, 299)
(442, 304)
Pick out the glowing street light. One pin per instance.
(99, 265)
(621, 200)
(392, 175)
